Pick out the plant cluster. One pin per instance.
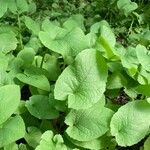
(74, 75)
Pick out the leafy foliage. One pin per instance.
(74, 75)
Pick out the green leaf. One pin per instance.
(143, 89)
(95, 144)
(34, 77)
(50, 64)
(40, 107)
(95, 28)
(56, 44)
(8, 42)
(3, 62)
(34, 43)
(12, 146)
(147, 144)
(78, 41)
(9, 100)
(83, 82)
(22, 6)
(74, 21)
(12, 6)
(143, 56)
(3, 8)
(49, 141)
(27, 55)
(148, 100)
(143, 74)
(13, 129)
(21, 108)
(116, 81)
(65, 42)
(57, 31)
(32, 25)
(131, 123)
(88, 124)
(127, 6)
(23, 147)
(8, 29)
(106, 41)
(130, 61)
(33, 136)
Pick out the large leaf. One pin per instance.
(13, 129)
(88, 124)
(49, 141)
(131, 123)
(9, 101)
(83, 82)
(40, 107)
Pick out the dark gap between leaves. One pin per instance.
(25, 93)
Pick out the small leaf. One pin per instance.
(8, 42)
(131, 123)
(49, 141)
(83, 82)
(27, 55)
(3, 8)
(143, 57)
(116, 81)
(74, 21)
(106, 41)
(50, 64)
(129, 59)
(34, 77)
(32, 25)
(143, 89)
(127, 6)
(33, 136)
(95, 144)
(22, 6)
(40, 107)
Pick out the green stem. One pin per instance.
(42, 61)
(20, 36)
(130, 29)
